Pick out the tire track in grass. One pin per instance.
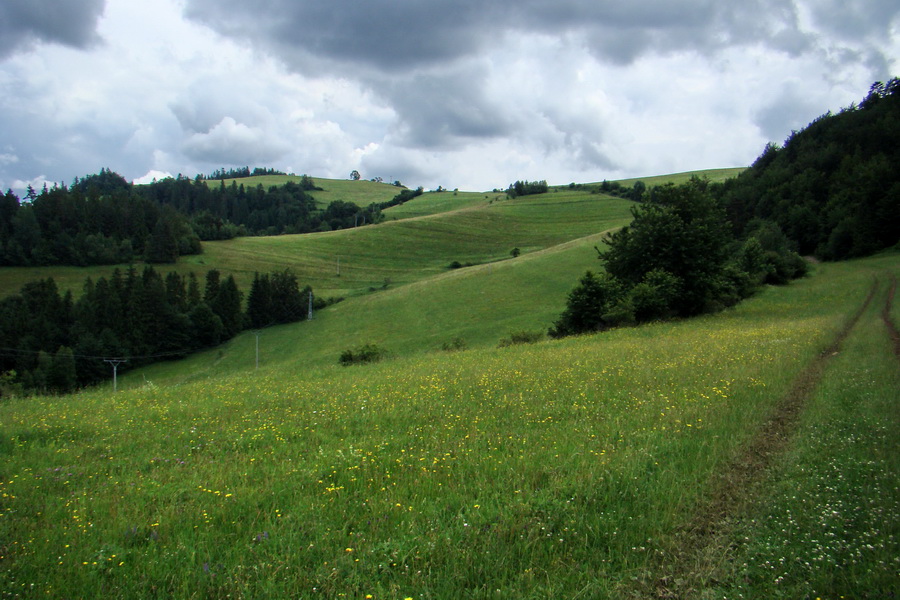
(704, 543)
(888, 321)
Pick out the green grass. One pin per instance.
(361, 192)
(432, 203)
(830, 526)
(399, 252)
(316, 259)
(713, 175)
(479, 305)
(548, 470)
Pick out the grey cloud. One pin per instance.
(441, 110)
(71, 23)
(392, 35)
(230, 142)
(855, 19)
(205, 102)
(789, 112)
(423, 57)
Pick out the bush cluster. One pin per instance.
(367, 353)
(678, 258)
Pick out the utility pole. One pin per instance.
(257, 332)
(310, 315)
(115, 362)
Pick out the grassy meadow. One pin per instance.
(559, 469)
(362, 192)
(713, 175)
(353, 261)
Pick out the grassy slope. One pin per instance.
(830, 525)
(713, 175)
(361, 192)
(552, 470)
(399, 251)
(479, 305)
(315, 257)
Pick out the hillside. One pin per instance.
(401, 252)
(746, 453)
(587, 467)
(834, 188)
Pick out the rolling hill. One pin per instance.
(751, 452)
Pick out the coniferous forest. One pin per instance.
(103, 219)
(50, 342)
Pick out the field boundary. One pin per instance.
(704, 542)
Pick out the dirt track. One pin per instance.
(703, 542)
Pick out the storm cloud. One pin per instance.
(26, 22)
(459, 93)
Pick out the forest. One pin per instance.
(52, 343)
(104, 219)
(834, 187)
(832, 191)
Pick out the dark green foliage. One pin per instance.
(56, 345)
(455, 345)
(226, 304)
(521, 337)
(834, 188)
(678, 258)
(277, 298)
(684, 233)
(588, 305)
(525, 188)
(61, 375)
(103, 219)
(207, 325)
(367, 353)
(259, 302)
(99, 220)
(163, 247)
(288, 302)
(343, 215)
(246, 172)
(614, 188)
(402, 197)
(655, 297)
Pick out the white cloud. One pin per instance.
(575, 90)
(151, 176)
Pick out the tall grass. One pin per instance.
(554, 469)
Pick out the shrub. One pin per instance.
(521, 337)
(367, 353)
(454, 345)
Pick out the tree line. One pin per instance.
(677, 258)
(832, 191)
(103, 219)
(243, 172)
(50, 342)
(98, 220)
(834, 187)
(526, 188)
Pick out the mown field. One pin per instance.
(352, 261)
(561, 469)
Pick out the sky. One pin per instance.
(467, 94)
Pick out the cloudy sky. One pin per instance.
(469, 94)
